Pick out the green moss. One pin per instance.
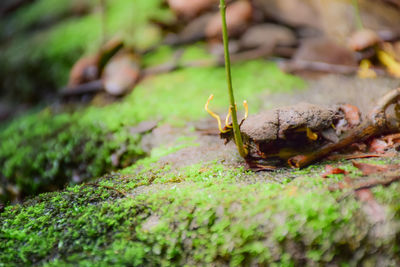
(33, 15)
(160, 56)
(184, 92)
(45, 149)
(192, 53)
(130, 20)
(195, 53)
(150, 161)
(211, 218)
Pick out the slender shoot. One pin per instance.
(227, 124)
(214, 115)
(246, 108)
(103, 21)
(232, 106)
(357, 14)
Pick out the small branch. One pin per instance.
(86, 88)
(259, 52)
(370, 183)
(376, 124)
(375, 182)
(299, 65)
(103, 21)
(357, 15)
(360, 156)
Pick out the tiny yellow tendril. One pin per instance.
(214, 115)
(227, 124)
(246, 108)
(311, 135)
(391, 64)
(246, 114)
(365, 71)
(227, 119)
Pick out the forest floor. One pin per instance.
(192, 201)
(145, 179)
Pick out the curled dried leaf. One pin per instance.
(329, 169)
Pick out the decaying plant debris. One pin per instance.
(304, 133)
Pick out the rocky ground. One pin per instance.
(192, 201)
(146, 180)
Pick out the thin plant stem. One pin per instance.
(103, 7)
(232, 106)
(357, 14)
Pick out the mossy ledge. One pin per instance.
(205, 214)
(43, 151)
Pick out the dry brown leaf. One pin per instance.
(378, 145)
(190, 9)
(368, 169)
(329, 169)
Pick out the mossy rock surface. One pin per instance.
(45, 150)
(191, 201)
(173, 196)
(203, 213)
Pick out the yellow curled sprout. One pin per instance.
(214, 115)
(227, 124)
(391, 64)
(246, 108)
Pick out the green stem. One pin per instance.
(103, 7)
(357, 14)
(232, 106)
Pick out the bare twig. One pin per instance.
(376, 124)
(370, 183)
(103, 21)
(300, 65)
(86, 88)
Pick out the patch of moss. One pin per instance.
(41, 13)
(188, 89)
(181, 95)
(159, 56)
(44, 149)
(43, 152)
(210, 218)
(195, 53)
